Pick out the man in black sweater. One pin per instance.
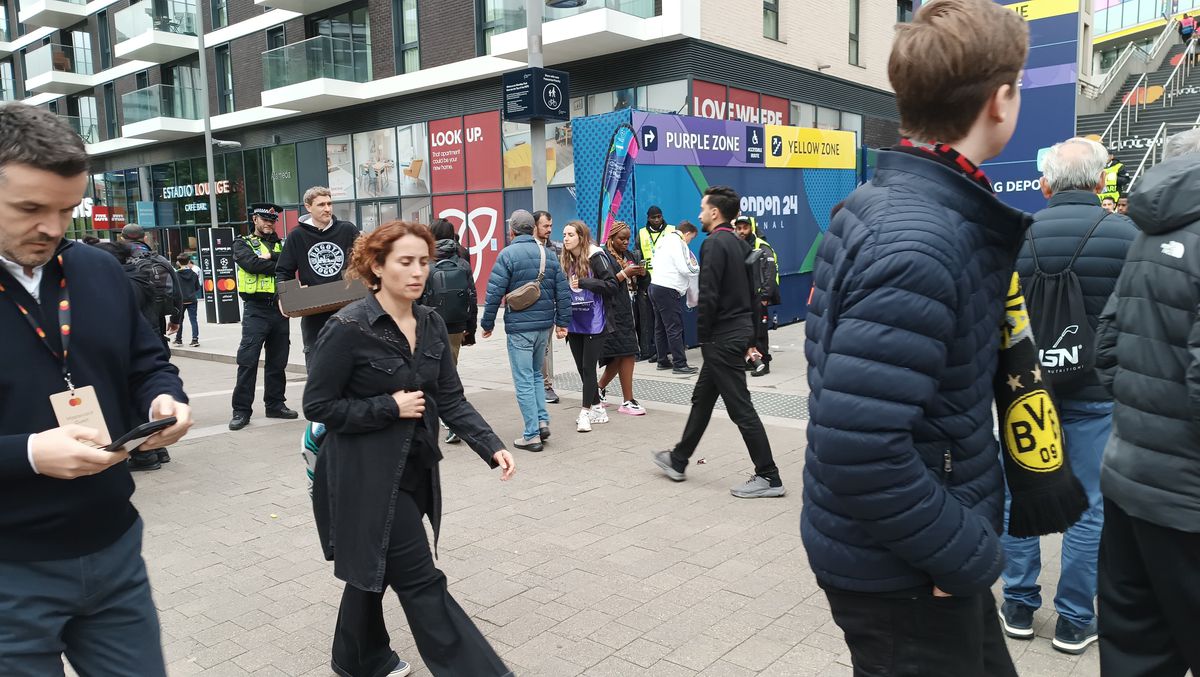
(81, 367)
(318, 250)
(725, 328)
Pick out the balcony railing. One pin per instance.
(173, 16)
(86, 127)
(8, 90)
(319, 57)
(502, 16)
(161, 101)
(62, 58)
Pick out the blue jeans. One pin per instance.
(96, 609)
(1086, 426)
(189, 310)
(526, 354)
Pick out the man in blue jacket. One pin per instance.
(81, 367)
(1072, 224)
(903, 484)
(528, 329)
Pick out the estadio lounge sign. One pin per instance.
(194, 190)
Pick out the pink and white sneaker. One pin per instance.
(632, 408)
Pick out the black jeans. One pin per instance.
(310, 328)
(724, 374)
(586, 349)
(762, 323)
(668, 325)
(919, 635)
(262, 325)
(448, 641)
(644, 314)
(1149, 590)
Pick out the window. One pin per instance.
(828, 118)
(494, 17)
(853, 122)
(224, 80)
(110, 111)
(664, 97)
(276, 37)
(141, 80)
(904, 11)
(803, 114)
(83, 109)
(771, 19)
(104, 39)
(81, 40)
(8, 83)
(220, 13)
(855, 7)
(4, 23)
(408, 53)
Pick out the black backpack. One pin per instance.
(1058, 316)
(165, 294)
(448, 291)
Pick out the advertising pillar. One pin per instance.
(220, 275)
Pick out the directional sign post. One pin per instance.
(537, 94)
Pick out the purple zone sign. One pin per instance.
(700, 142)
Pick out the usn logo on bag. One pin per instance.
(1059, 358)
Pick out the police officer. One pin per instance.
(256, 255)
(647, 239)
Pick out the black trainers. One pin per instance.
(239, 421)
(1072, 639)
(1017, 620)
(551, 396)
(164, 456)
(194, 344)
(283, 412)
(684, 371)
(451, 438)
(664, 366)
(140, 461)
(766, 369)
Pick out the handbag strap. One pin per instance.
(1037, 265)
(542, 268)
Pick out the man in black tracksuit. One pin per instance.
(1148, 356)
(725, 328)
(257, 255)
(318, 250)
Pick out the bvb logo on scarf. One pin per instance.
(1030, 429)
(1046, 495)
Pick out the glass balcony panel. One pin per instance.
(62, 58)
(319, 57)
(161, 101)
(168, 16)
(86, 127)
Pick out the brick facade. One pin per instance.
(447, 31)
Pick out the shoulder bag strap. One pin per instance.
(542, 267)
(1087, 237)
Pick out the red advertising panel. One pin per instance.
(774, 110)
(482, 136)
(708, 100)
(453, 208)
(446, 160)
(100, 218)
(485, 233)
(743, 105)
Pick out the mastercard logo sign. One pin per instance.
(208, 285)
(1144, 95)
(226, 285)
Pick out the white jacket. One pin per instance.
(675, 266)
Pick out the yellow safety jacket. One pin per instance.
(253, 283)
(1110, 181)
(646, 243)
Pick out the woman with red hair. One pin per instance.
(380, 375)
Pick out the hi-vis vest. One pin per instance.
(646, 243)
(252, 283)
(1110, 181)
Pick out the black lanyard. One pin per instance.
(64, 322)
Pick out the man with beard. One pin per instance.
(257, 255)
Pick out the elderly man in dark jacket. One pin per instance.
(1148, 356)
(903, 484)
(528, 330)
(1073, 233)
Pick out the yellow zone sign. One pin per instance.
(1032, 432)
(1032, 10)
(803, 148)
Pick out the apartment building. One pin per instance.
(395, 104)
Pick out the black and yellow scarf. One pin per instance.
(1046, 496)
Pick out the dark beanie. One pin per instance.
(653, 211)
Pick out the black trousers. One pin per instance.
(762, 323)
(262, 326)
(310, 328)
(446, 638)
(919, 635)
(724, 374)
(1149, 589)
(643, 313)
(668, 325)
(586, 349)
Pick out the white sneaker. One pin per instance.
(583, 424)
(632, 408)
(598, 414)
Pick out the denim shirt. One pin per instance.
(358, 361)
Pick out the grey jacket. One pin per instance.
(1148, 354)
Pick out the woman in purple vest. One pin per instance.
(593, 288)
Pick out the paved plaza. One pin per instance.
(588, 563)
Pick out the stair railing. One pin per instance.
(1118, 69)
(1148, 161)
(1179, 75)
(1127, 114)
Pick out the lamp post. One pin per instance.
(537, 128)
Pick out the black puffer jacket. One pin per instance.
(1057, 231)
(1148, 354)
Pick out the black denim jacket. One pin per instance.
(355, 366)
